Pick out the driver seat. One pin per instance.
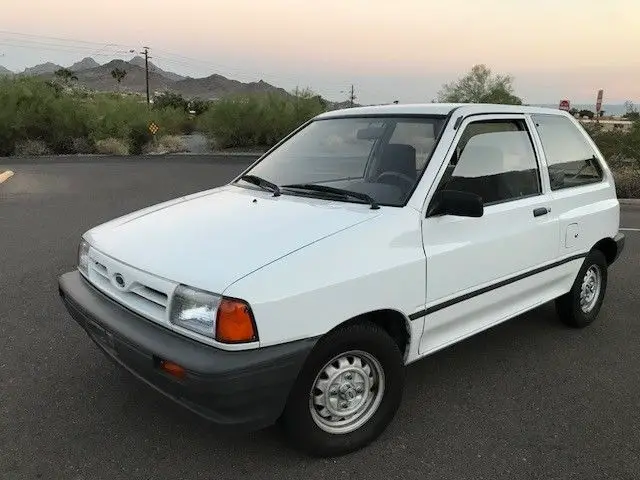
(400, 158)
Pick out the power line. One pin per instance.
(57, 49)
(63, 39)
(62, 47)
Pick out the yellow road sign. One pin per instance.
(153, 128)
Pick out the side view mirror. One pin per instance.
(453, 202)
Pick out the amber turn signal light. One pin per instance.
(234, 322)
(172, 369)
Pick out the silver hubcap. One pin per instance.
(590, 290)
(347, 392)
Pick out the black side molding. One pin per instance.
(488, 288)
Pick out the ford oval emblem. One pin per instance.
(119, 279)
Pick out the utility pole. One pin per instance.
(352, 95)
(146, 69)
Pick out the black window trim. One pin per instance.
(594, 156)
(446, 119)
(511, 117)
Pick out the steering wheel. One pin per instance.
(397, 175)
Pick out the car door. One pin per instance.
(482, 270)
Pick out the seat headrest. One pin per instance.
(398, 157)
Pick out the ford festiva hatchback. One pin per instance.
(364, 241)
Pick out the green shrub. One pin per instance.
(257, 120)
(34, 110)
(139, 136)
(70, 121)
(170, 100)
(31, 148)
(627, 180)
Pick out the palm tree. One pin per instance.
(118, 74)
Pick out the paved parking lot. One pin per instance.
(527, 399)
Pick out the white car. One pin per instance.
(367, 239)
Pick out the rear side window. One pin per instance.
(571, 159)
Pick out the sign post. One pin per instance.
(565, 105)
(153, 128)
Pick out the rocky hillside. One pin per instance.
(84, 64)
(139, 62)
(221, 86)
(42, 69)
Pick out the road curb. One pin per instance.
(629, 201)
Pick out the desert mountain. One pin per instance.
(41, 69)
(203, 87)
(98, 77)
(84, 64)
(139, 62)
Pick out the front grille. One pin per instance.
(142, 292)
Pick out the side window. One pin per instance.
(495, 160)
(570, 158)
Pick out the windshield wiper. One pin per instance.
(337, 191)
(262, 183)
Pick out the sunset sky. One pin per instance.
(389, 49)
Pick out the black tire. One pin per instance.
(299, 425)
(568, 306)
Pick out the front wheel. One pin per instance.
(580, 307)
(347, 393)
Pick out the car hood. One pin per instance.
(211, 239)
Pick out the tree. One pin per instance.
(586, 113)
(170, 99)
(574, 111)
(66, 75)
(631, 111)
(118, 74)
(480, 86)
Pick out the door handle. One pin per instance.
(538, 212)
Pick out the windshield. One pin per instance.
(382, 157)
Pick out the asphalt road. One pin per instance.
(527, 399)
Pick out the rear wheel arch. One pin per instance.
(608, 248)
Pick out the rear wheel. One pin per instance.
(580, 307)
(347, 392)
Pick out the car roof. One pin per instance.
(438, 109)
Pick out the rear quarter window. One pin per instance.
(571, 160)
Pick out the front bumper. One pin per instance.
(243, 389)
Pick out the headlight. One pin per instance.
(195, 310)
(225, 319)
(83, 257)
